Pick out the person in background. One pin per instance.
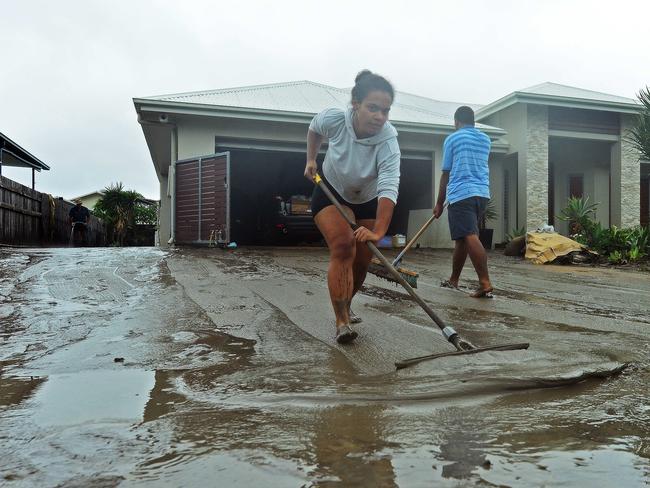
(78, 217)
(465, 184)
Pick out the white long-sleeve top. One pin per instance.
(358, 169)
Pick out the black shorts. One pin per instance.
(361, 211)
(465, 215)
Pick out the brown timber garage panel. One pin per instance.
(202, 199)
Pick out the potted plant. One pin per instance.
(485, 234)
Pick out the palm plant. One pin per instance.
(489, 215)
(117, 208)
(639, 134)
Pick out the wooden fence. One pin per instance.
(29, 218)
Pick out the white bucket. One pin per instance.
(399, 240)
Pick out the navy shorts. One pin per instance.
(465, 215)
(362, 211)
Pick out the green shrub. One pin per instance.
(635, 254)
(579, 213)
(515, 233)
(615, 257)
(617, 245)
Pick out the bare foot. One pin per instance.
(345, 334)
(449, 284)
(354, 318)
(483, 293)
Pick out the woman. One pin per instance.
(361, 167)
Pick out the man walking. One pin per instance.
(465, 184)
(78, 217)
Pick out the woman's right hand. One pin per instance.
(310, 170)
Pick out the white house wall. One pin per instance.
(164, 215)
(437, 235)
(512, 119)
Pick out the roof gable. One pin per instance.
(555, 94)
(557, 90)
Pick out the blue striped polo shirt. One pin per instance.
(465, 156)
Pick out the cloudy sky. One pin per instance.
(70, 69)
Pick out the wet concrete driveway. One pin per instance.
(201, 367)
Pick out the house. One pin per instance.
(566, 141)
(89, 200)
(11, 154)
(221, 155)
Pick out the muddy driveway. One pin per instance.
(142, 367)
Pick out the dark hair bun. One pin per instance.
(367, 81)
(362, 74)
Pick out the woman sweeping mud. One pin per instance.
(361, 167)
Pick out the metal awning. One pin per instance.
(11, 154)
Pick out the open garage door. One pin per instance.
(203, 199)
(263, 182)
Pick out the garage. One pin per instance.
(260, 197)
(255, 194)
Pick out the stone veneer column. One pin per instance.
(536, 166)
(630, 168)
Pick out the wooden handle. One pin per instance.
(319, 181)
(387, 264)
(413, 240)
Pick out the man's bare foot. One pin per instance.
(482, 293)
(449, 284)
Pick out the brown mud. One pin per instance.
(231, 374)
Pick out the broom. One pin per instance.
(411, 277)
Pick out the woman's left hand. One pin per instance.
(362, 235)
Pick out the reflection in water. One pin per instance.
(163, 398)
(463, 447)
(14, 391)
(117, 395)
(347, 445)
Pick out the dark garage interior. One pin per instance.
(259, 177)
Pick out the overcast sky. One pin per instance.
(70, 69)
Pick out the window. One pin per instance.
(576, 186)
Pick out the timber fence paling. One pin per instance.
(29, 217)
(20, 213)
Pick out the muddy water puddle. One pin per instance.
(199, 403)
